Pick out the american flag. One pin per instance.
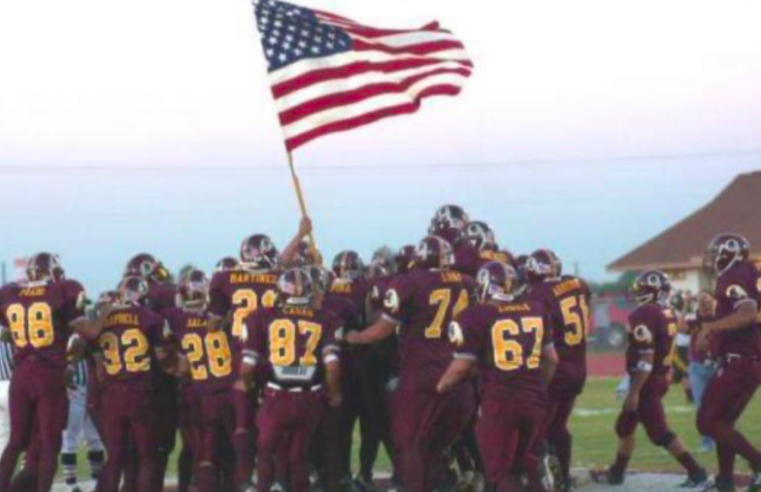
(332, 74)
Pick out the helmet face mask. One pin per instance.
(133, 291)
(348, 265)
(496, 281)
(478, 235)
(44, 267)
(194, 290)
(295, 288)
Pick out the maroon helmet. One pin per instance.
(405, 258)
(147, 267)
(448, 222)
(495, 280)
(194, 288)
(542, 264)
(44, 267)
(348, 265)
(107, 298)
(384, 257)
(522, 281)
(651, 286)
(226, 264)
(295, 287)
(726, 250)
(258, 252)
(133, 290)
(433, 252)
(478, 235)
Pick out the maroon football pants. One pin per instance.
(650, 412)
(425, 425)
(506, 431)
(287, 417)
(191, 425)
(129, 412)
(217, 434)
(724, 401)
(37, 398)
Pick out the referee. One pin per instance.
(6, 367)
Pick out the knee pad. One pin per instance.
(665, 440)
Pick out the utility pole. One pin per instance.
(4, 274)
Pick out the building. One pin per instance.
(680, 250)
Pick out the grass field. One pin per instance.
(594, 439)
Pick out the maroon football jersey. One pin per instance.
(737, 285)
(209, 353)
(345, 310)
(468, 259)
(377, 291)
(128, 340)
(241, 292)
(567, 301)
(652, 329)
(38, 315)
(162, 297)
(355, 291)
(507, 342)
(294, 341)
(423, 303)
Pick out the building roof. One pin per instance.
(737, 209)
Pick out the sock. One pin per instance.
(96, 459)
(620, 465)
(69, 464)
(726, 463)
(689, 464)
(244, 461)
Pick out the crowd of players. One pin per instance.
(452, 354)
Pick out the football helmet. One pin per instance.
(542, 265)
(147, 267)
(348, 265)
(295, 287)
(448, 223)
(651, 286)
(522, 282)
(384, 257)
(133, 290)
(405, 258)
(376, 270)
(726, 250)
(226, 264)
(194, 288)
(433, 252)
(44, 267)
(105, 299)
(495, 280)
(322, 278)
(258, 252)
(478, 235)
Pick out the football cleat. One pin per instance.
(697, 481)
(755, 482)
(720, 485)
(606, 477)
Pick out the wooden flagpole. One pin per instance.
(303, 206)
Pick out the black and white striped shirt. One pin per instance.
(80, 374)
(6, 361)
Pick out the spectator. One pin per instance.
(702, 367)
(6, 366)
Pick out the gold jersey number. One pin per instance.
(217, 349)
(129, 352)
(246, 302)
(442, 298)
(282, 334)
(508, 353)
(31, 326)
(669, 359)
(575, 312)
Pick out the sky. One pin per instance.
(587, 127)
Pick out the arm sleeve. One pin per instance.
(256, 343)
(642, 332)
(395, 302)
(467, 335)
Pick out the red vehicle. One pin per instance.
(610, 314)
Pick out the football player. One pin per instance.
(132, 340)
(161, 296)
(40, 315)
(736, 341)
(233, 296)
(212, 373)
(404, 259)
(297, 341)
(652, 332)
(226, 264)
(448, 223)
(511, 342)
(566, 302)
(420, 306)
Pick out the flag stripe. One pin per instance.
(305, 67)
(369, 105)
(365, 119)
(346, 97)
(319, 78)
(421, 49)
(409, 38)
